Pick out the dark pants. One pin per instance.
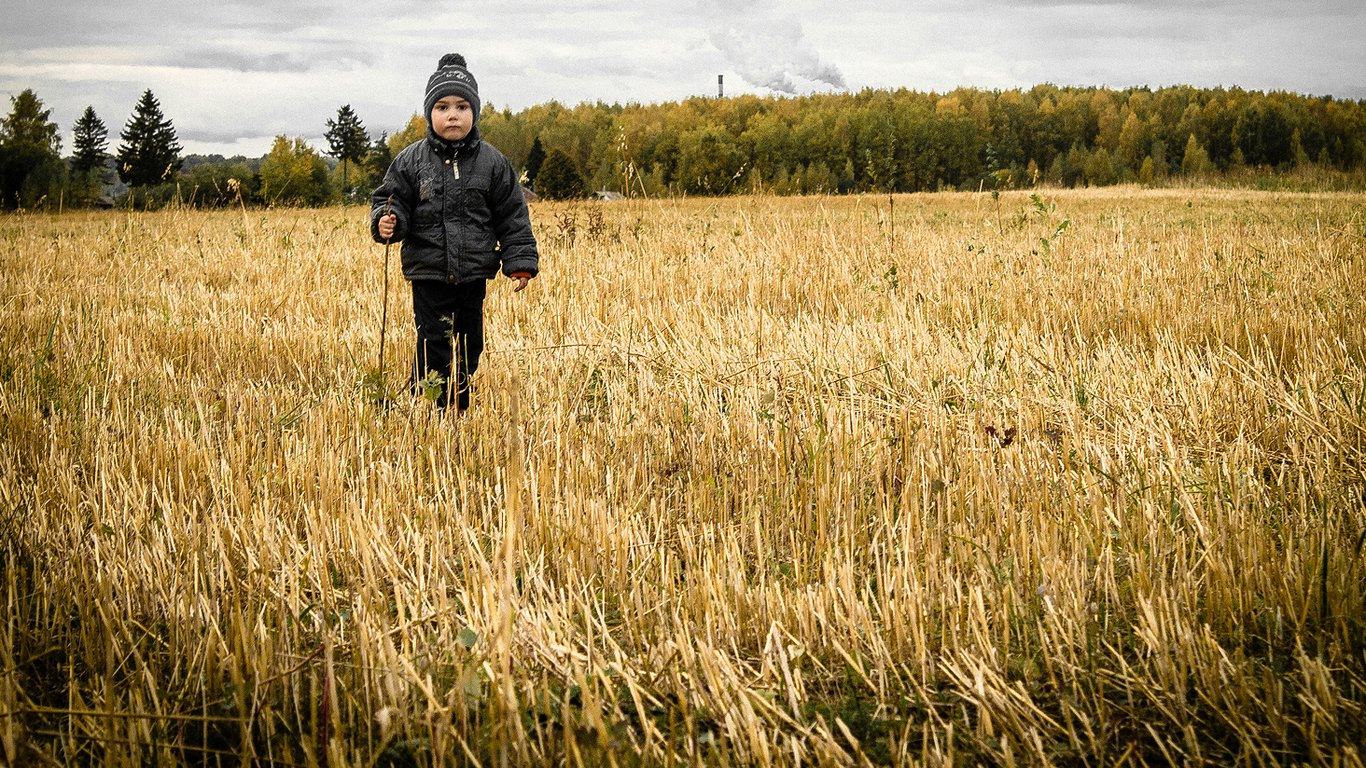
(450, 338)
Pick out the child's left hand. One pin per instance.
(521, 284)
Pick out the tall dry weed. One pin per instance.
(1075, 478)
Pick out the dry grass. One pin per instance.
(939, 479)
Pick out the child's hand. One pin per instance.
(387, 223)
(521, 284)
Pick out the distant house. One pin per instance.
(607, 194)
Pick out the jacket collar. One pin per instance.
(446, 148)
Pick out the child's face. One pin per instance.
(452, 118)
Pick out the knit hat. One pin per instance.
(451, 79)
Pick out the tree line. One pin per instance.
(869, 141)
(148, 161)
(907, 141)
(31, 168)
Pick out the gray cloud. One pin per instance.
(320, 57)
(235, 73)
(225, 136)
(239, 61)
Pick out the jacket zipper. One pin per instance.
(455, 167)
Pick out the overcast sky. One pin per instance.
(232, 74)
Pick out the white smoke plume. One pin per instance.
(767, 46)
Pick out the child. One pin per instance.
(455, 203)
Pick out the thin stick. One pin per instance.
(384, 313)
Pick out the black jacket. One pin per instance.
(460, 211)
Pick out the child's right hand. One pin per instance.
(387, 223)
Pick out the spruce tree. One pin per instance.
(534, 159)
(91, 141)
(149, 153)
(560, 178)
(347, 140)
(379, 157)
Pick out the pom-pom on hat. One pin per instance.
(451, 79)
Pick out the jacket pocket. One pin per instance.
(482, 261)
(428, 209)
(481, 242)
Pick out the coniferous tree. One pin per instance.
(149, 153)
(379, 158)
(560, 178)
(534, 159)
(30, 160)
(346, 139)
(91, 140)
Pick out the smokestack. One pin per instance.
(720, 87)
